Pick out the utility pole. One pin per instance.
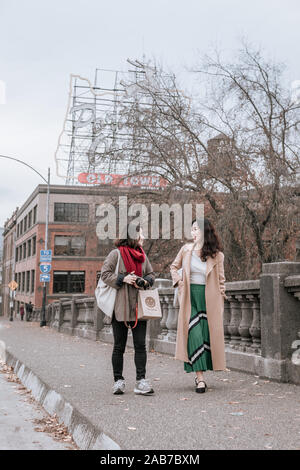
(43, 316)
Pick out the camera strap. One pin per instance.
(136, 317)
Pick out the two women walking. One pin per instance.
(201, 292)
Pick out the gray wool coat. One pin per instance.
(127, 295)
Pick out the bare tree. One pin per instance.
(236, 148)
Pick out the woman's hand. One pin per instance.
(130, 278)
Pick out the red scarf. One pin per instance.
(133, 259)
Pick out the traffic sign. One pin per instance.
(45, 268)
(44, 277)
(45, 256)
(13, 285)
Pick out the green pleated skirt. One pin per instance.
(199, 352)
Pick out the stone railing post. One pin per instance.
(280, 319)
(98, 319)
(255, 326)
(74, 313)
(246, 322)
(236, 316)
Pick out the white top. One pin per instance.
(198, 270)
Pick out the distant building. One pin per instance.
(76, 251)
(8, 261)
(1, 253)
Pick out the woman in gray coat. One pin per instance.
(135, 272)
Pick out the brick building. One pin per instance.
(8, 262)
(77, 254)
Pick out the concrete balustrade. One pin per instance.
(261, 322)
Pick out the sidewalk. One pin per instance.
(238, 411)
(18, 421)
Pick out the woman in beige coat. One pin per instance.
(201, 292)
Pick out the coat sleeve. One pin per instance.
(177, 264)
(149, 274)
(108, 271)
(221, 275)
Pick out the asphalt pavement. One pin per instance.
(238, 411)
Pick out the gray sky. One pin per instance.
(41, 43)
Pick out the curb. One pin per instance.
(86, 435)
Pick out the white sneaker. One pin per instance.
(119, 387)
(143, 387)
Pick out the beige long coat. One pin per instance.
(214, 297)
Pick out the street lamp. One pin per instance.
(43, 315)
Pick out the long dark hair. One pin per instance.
(212, 244)
(126, 239)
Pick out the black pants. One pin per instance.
(120, 332)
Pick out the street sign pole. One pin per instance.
(43, 313)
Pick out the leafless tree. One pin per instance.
(236, 147)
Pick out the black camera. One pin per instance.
(140, 282)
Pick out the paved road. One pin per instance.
(17, 415)
(239, 411)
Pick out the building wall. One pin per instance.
(8, 260)
(90, 263)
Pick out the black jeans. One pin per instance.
(120, 332)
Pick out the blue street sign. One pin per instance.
(44, 277)
(45, 256)
(45, 268)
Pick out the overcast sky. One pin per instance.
(41, 43)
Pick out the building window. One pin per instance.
(27, 281)
(24, 250)
(68, 282)
(71, 212)
(18, 230)
(29, 248)
(33, 246)
(34, 214)
(21, 227)
(23, 282)
(104, 246)
(17, 252)
(29, 219)
(69, 246)
(25, 223)
(32, 280)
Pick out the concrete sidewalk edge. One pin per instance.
(86, 435)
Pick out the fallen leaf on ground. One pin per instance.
(131, 428)
(181, 399)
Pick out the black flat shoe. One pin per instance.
(200, 389)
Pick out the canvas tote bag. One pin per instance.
(149, 305)
(106, 295)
